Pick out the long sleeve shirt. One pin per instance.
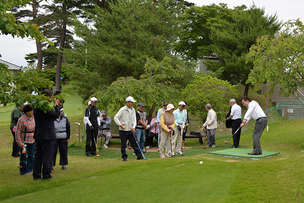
(211, 121)
(127, 117)
(162, 122)
(154, 126)
(25, 127)
(254, 111)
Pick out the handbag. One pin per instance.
(14, 128)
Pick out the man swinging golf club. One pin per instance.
(166, 120)
(126, 120)
(256, 112)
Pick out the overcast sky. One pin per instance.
(13, 50)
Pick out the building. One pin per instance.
(11, 67)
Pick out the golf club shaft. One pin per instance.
(234, 133)
(138, 145)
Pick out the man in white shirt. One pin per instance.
(126, 120)
(211, 124)
(256, 112)
(235, 117)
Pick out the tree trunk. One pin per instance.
(38, 43)
(61, 46)
(246, 90)
(150, 115)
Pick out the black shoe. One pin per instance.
(89, 155)
(16, 155)
(124, 160)
(63, 167)
(233, 146)
(254, 153)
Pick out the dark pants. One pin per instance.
(15, 146)
(63, 151)
(184, 133)
(43, 158)
(27, 159)
(149, 139)
(235, 124)
(91, 140)
(128, 135)
(259, 127)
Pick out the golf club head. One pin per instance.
(226, 141)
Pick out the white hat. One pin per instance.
(181, 103)
(61, 109)
(169, 107)
(130, 99)
(94, 99)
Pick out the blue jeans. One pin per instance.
(140, 136)
(27, 159)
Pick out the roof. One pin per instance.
(11, 66)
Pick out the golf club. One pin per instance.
(96, 146)
(144, 158)
(170, 131)
(181, 137)
(226, 141)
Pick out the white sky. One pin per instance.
(14, 50)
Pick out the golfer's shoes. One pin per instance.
(105, 146)
(162, 156)
(180, 153)
(63, 167)
(167, 156)
(213, 146)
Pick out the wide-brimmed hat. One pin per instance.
(169, 107)
(130, 99)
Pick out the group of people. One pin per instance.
(37, 137)
(38, 134)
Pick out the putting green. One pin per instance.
(239, 152)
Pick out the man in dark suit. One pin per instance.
(45, 136)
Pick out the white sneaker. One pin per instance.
(105, 146)
(213, 145)
(147, 147)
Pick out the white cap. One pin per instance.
(61, 109)
(130, 99)
(25, 103)
(181, 103)
(94, 99)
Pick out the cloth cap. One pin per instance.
(130, 99)
(140, 104)
(94, 99)
(165, 103)
(169, 107)
(181, 103)
(103, 113)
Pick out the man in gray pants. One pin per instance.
(256, 112)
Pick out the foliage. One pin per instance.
(117, 41)
(279, 60)
(196, 23)
(227, 33)
(159, 82)
(206, 89)
(50, 73)
(9, 25)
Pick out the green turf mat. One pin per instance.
(239, 152)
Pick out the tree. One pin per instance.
(279, 59)
(120, 39)
(194, 38)
(205, 89)
(233, 38)
(227, 33)
(160, 81)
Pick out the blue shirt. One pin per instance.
(180, 116)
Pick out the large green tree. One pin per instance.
(160, 81)
(279, 59)
(205, 89)
(227, 33)
(120, 39)
(232, 39)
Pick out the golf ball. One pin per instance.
(201, 162)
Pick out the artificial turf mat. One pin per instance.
(239, 152)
